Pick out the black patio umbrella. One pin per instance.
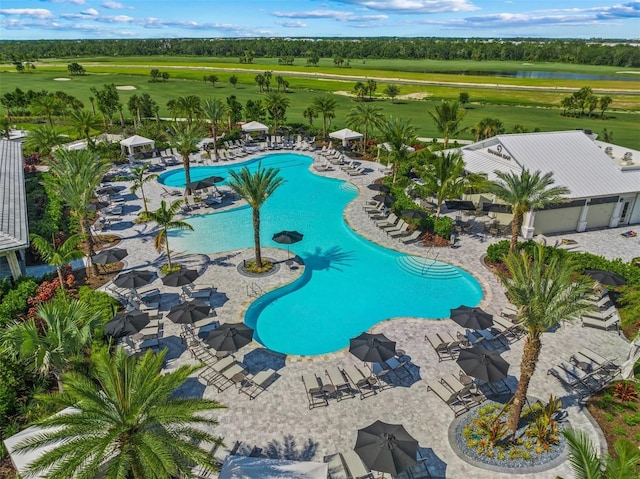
(288, 238)
(107, 190)
(134, 279)
(496, 208)
(483, 364)
(472, 318)
(125, 324)
(98, 205)
(230, 337)
(180, 278)
(413, 214)
(386, 447)
(111, 255)
(204, 183)
(460, 205)
(379, 187)
(189, 312)
(372, 348)
(605, 277)
(385, 198)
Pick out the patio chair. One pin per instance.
(342, 384)
(363, 383)
(380, 372)
(603, 362)
(313, 388)
(211, 372)
(404, 231)
(390, 221)
(355, 467)
(252, 386)
(606, 324)
(508, 330)
(450, 398)
(228, 376)
(397, 367)
(356, 172)
(191, 292)
(397, 227)
(605, 300)
(590, 380)
(439, 346)
(415, 236)
(602, 315)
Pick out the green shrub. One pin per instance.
(497, 251)
(14, 302)
(443, 226)
(99, 302)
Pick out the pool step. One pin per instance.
(428, 268)
(350, 187)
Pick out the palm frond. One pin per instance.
(582, 455)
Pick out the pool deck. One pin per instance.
(281, 414)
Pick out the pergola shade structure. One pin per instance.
(346, 135)
(136, 141)
(254, 126)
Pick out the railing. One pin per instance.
(254, 290)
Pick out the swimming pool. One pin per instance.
(349, 283)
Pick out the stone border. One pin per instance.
(248, 274)
(508, 470)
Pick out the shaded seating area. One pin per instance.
(586, 372)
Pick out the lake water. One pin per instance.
(542, 75)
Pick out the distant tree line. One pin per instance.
(588, 52)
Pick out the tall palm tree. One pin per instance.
(84, 121)
(310, 114)
(277, 104)
(189, 106)
(525, 192)
(127, 422)
(43, 138)
(486, 128)
(164, 217)
(366, 116)
(326, 106)
(586, 464)
(447, 118)
(400, 134)
(139, 179)
(47, 105)
(75, 176)
(49, 346)
(255, 188)
(58, 256)
(215, 111)
(546, 290)
(185, 138)
(444, 177)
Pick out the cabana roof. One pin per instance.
(254, 126)
(14, 231)
(136, 140)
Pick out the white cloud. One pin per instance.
(41, 13)
(414, 6)
(112, 5)
(292, 24)
(91, 12)
(330, 14)
(75, 2)
(115, 19)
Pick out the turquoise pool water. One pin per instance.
(349, 283)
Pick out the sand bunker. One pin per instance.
(62, 79)
(343, 93)
(414, 96)
(125, 87)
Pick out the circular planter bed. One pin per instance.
(243, 268)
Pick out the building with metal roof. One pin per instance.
(603, 179)
(14, 228)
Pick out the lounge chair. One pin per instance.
(604, 301)
(450, 398)
(355, 467)
(508, 330)
(569, 380)
(415, 236)
(612, 322)
(211, 373)
(191, 292)
(439, 346)
(228, 376)
(313, 388)
(403, 231)
(356, 172)
(393, 228)
(363, 383)
(252, 386)
(604, 363)
(338, 381)
(602, 314)
(165, 193)
(390, 221)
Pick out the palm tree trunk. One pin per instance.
(324, 127)
(59, 271)
(187, 172)
(166, 245)
(515, 231)
(256, 237)
(58, 376)
(215, 142)
(144, 198)
(530, 353)
(91, 246)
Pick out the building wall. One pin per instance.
(556, 221)
(634, 219)
(599, 216)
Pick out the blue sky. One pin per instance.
(74, 19)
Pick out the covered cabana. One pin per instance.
(346, 135)
(136, 141)
(242, 467)
(255, 127)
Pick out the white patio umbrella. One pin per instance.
(254, 126)
(134, 141)
(346, 135)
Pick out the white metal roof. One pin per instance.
(575, 160)
(14, 231)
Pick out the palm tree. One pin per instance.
(127, 422)
(255, 188)
(215, 111)
(84, 121)
(525, 192)
(444, 177)
(586, 464)
(400, 134)
(75, 176)
(139, 179)
(43, 138)
(47, 105)
(5, 127)
(365, 116)
(49, 346)
(326, 106)
(546, 290)
(58, 256)
(309, 114)
(277, 104)
(486, 128)
(448, 117)
(185, 138)
(165, 218)
(189, 106)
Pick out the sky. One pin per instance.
(86, 19)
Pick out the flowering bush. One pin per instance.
(48, 288)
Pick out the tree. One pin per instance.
(155, 75)
(607, 136)
(58, 255)
(604, 103)
(546, 290)
(400, 134)
(259, 79)
(276, 104)
(525, 192)
(367, 117)
(75, 69)
(256, 188)
(49, 346)
(139, 179)
(165, 76)
(313, 60)
(5, 127)
(444, 177)
(164, 217)
(487, 128)
(372, 86)
(447, 118)
(254, 110)
(47, 105)
(215, 111)
(463, 98)
(83, 121)
(127, 422)
(234, 110)
(75, 176)
(310, 114)
(326, 106)
(392, 91)
(107, 101)
(189, 106)
(360, 89)
(211, 78)
(586, 464)
(42, 139)
(233, 80)
(185, 138)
